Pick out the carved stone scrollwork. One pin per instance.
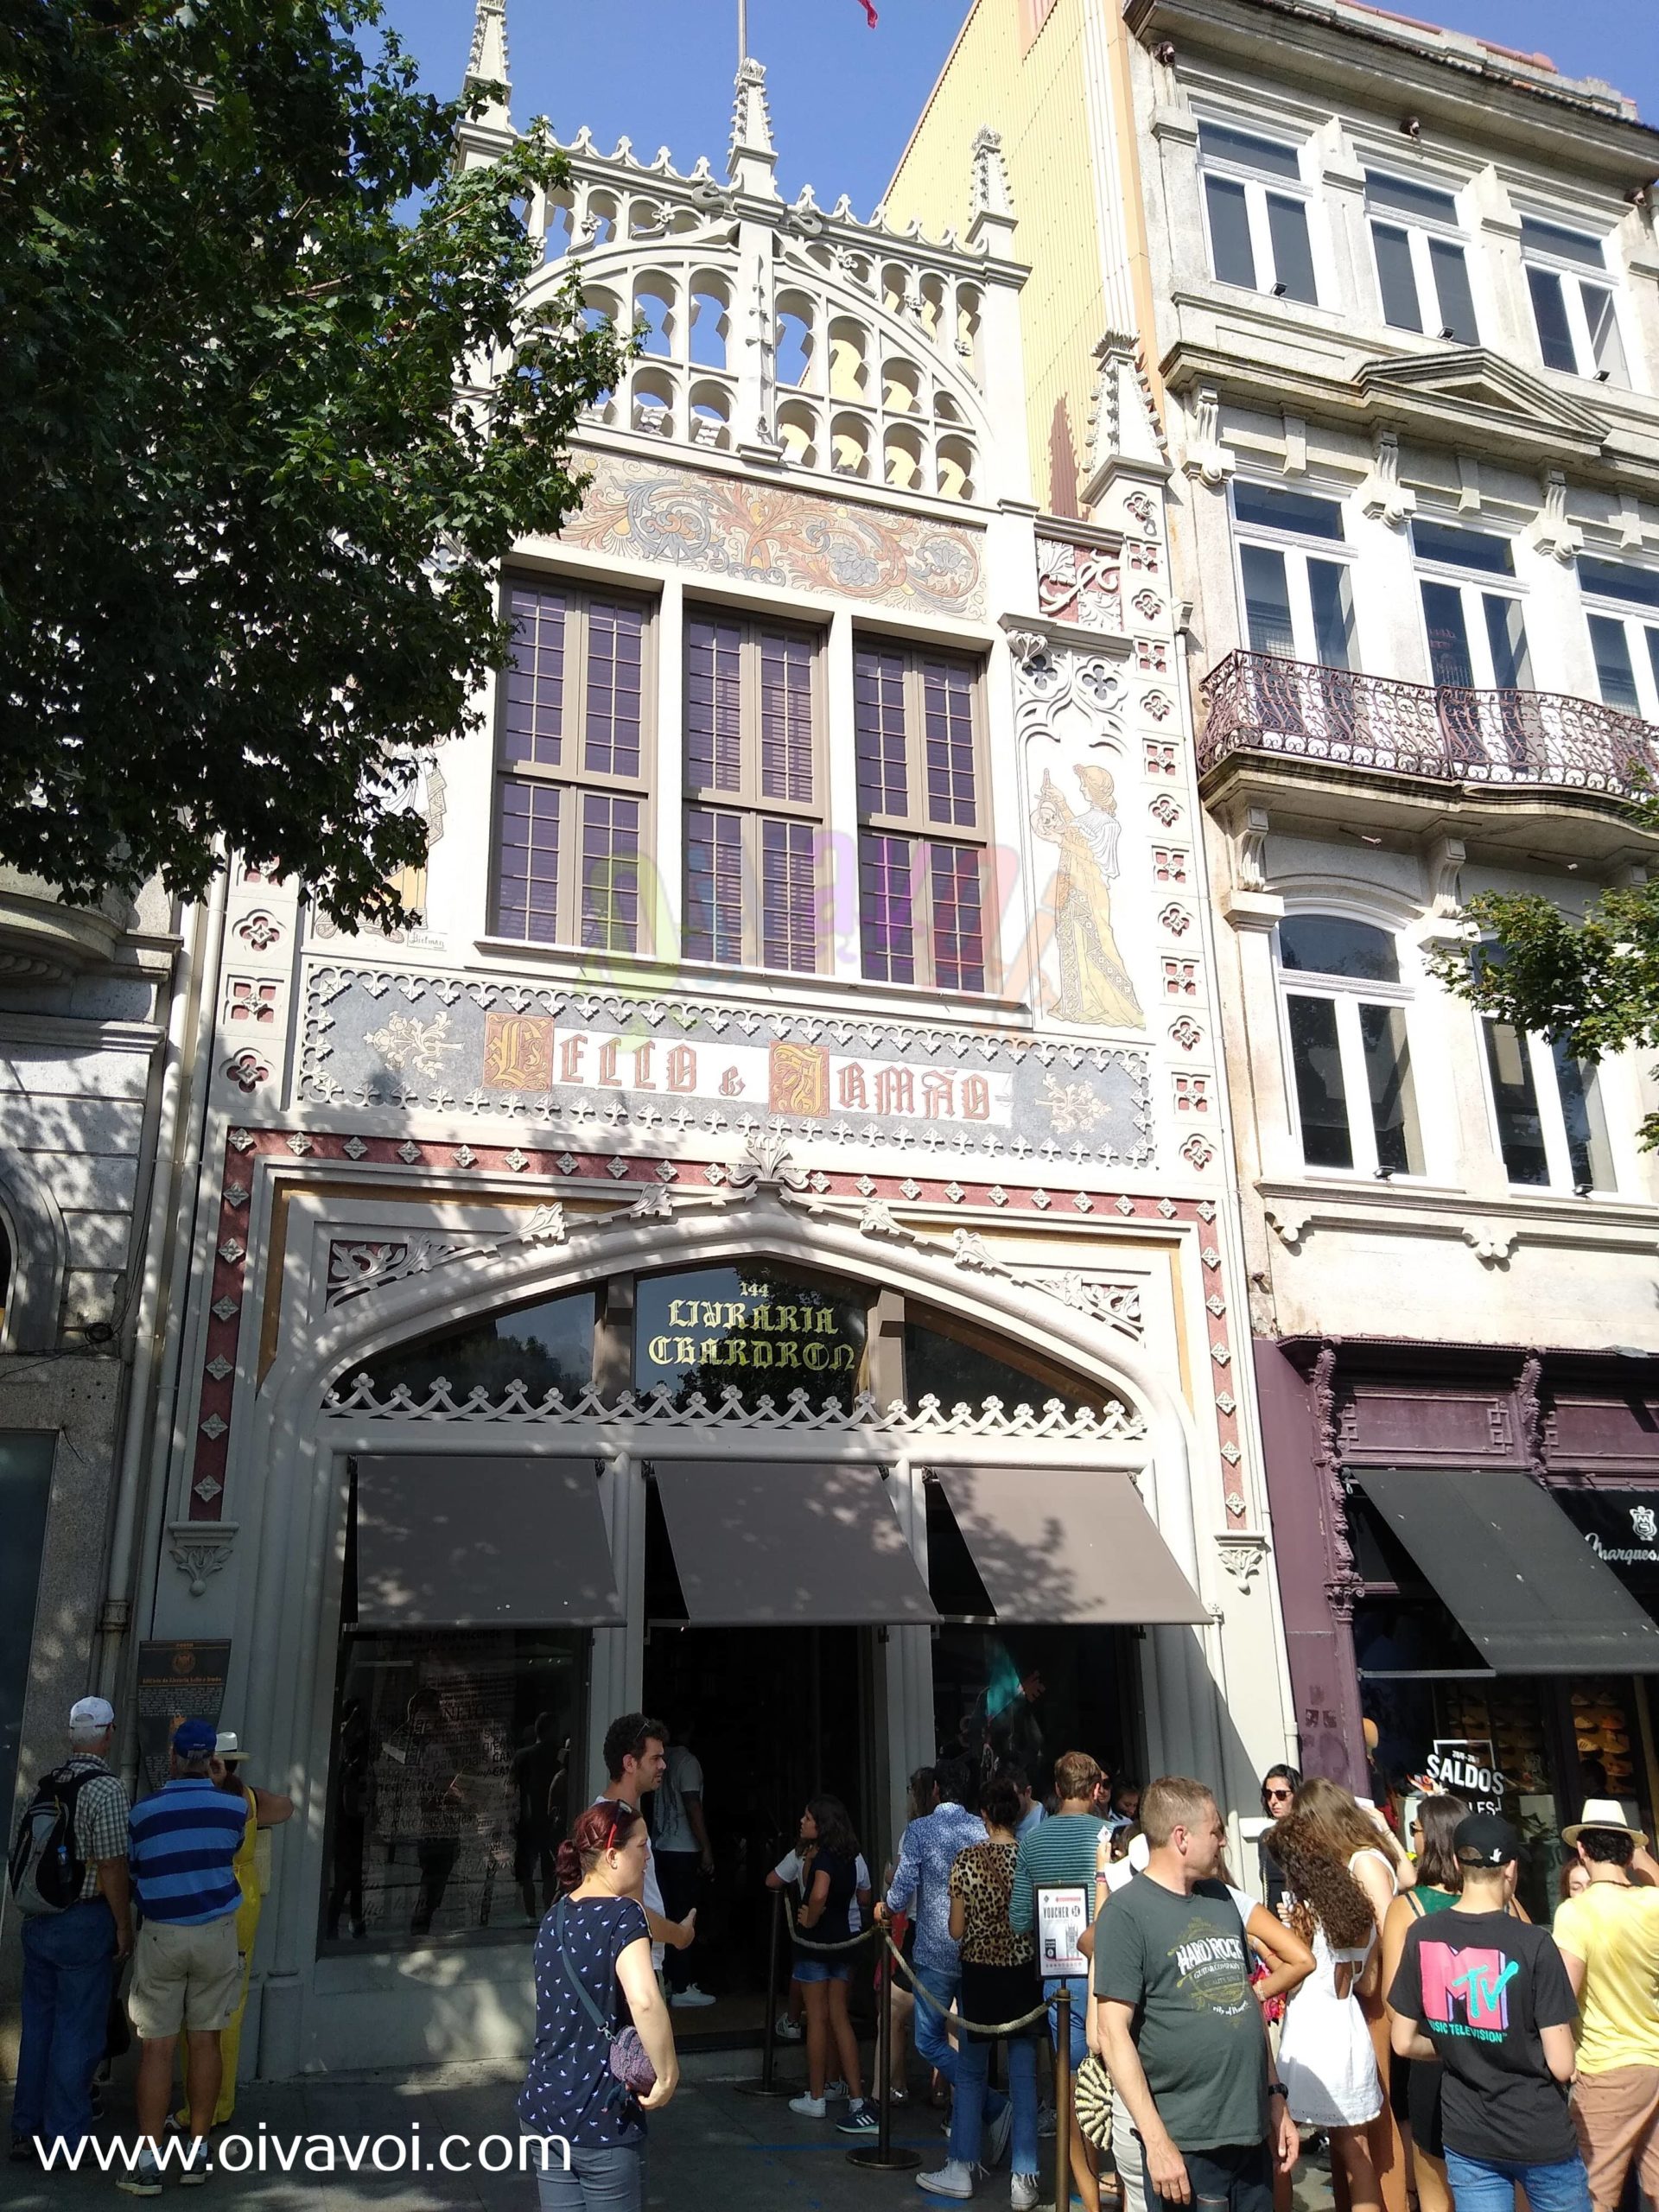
(1383, 496)
(200, 1549)
(1243, 1557)
(1552, 533)
(1208, 460)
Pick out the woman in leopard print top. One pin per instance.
(999, 1982)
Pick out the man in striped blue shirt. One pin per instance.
(186, 1973)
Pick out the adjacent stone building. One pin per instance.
(1397, 291)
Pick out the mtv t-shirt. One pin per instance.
(1180, 1961)
(1482, 1986)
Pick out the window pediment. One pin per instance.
(1469, 389)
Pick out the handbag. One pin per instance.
(633, 2073)
(1091, 2100)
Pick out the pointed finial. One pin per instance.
(991, 202)
(487, 63)
(1125, 436)
(754, 157)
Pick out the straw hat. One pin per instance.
(1601, 1813)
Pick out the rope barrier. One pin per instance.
(1039, 2011)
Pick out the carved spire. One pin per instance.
(487, 63)
(754, 158)
(1125, 436)
(992, 219)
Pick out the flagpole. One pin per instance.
(742, 32)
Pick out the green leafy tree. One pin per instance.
(264, 436)
(1593, 983)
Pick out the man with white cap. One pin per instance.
(1609, 1937)
(69, 1955)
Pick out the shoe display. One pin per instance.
(808, 2107)
(952, 2179)
(861, 2118)
(691, 1999)
(997, 2132)
(1023, 2193)
(785, 2030)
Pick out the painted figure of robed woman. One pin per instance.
(1095, 985)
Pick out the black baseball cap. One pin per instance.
(1485, 1839)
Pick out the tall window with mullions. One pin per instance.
(753, 784)
(573, 769)
(924, 829)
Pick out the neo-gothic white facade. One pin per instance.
(824, 890)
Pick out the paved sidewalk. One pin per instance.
(713, 2148)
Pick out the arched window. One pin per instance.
(1348, 1036)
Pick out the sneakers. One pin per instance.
(691, 1999)
(196, 2165)
(861, 2118)
(952, 2179)
(143, 2179)
(997, 2132)
(835, 2092)
(1023, 2193)
(785, 2030)
(1045, 2120)
(809, 2107)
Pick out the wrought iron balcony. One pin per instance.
(1259, 703)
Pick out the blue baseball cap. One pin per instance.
(191, 1738)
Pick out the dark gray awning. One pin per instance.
(1053, 1545)
(483, 1542)
(1523, 1585)
(764, 1542)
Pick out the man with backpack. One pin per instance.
(68, 1880)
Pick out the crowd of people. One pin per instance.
(1390, 1994)
(173, 1884)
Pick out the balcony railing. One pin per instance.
(1258, 702)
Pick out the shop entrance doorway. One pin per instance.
(774, 1716)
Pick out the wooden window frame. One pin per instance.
(748, 803)
(570, 776)
(915, 824)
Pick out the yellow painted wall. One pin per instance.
(1036, 100)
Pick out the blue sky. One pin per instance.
(843, 97)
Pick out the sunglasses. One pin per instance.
(1276, 1796)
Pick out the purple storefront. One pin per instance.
(1468, 1548)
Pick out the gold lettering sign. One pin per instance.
(518, 1052)
(797, 1079)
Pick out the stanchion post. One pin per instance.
(767, 2086)
(1063, 2097)
(882, 2158)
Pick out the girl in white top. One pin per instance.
(1351, 1836)
(1326, 2058)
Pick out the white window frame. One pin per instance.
(1419, 230)
(1474, 586)
(1573, 274)
(1258, 187)
(1552, 1116)
(1348, 994)
(1637, 626)
(1298, 548)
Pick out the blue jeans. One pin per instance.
(68, 1969)
(1078, 1984)
(611, 2180)
(932, 2044)
(1488, 2184)
(973, 2071)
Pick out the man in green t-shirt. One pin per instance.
(1181, 2029)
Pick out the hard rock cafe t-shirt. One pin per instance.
(1481, 1985)
(1181, 1963)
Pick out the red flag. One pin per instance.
(868, 7)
